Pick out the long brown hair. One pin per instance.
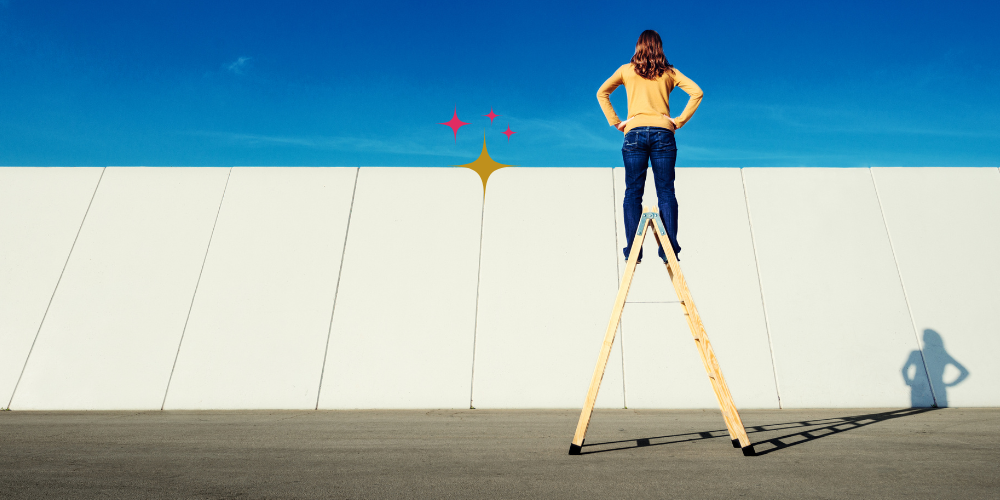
(649, 61)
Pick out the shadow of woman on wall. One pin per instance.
(936, 358)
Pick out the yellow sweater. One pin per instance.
(648, 100)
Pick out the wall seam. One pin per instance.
(479, 281)
(760, 287)
(336, 289)
(194, 294)
(56, 288)
(902, 285)
(621, 328)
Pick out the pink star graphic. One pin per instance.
(492, 115)
(508, 132)
(454, 123)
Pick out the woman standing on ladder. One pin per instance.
(649, 130)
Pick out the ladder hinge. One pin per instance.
(656, 219)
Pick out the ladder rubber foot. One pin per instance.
(748, 451)
(574, 449)
(736, 443)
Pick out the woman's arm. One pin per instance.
(695, 93)
(962, 372)
(604, 97)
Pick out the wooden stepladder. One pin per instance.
(737, 433)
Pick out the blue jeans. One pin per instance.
(644, 145)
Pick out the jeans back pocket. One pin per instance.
(631, 141)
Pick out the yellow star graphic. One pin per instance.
(484, 165)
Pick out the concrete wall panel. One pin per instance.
(838, 319)
(41, 210)
(662, 365)
(111, 334)
(404, 322)
(548, 286)
(261, 316)
(717, 258)
(945, 229)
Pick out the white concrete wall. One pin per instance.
(261, 316)
(111, 334)
(838, 320)
(944, 224)
(548, 284)
(404, 321)
(814, 284)
(41, 210)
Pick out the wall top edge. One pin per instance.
(515, 166)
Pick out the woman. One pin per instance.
(649, 130)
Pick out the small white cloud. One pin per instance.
(237, 67)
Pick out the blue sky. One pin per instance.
(842, 84)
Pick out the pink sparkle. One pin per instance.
(508, 132)
(454, 123)
(492, 116)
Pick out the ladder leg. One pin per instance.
(716, 388)
(741, 440)
(725, 407)
(726, 414)
(609, 338)
(737, 432)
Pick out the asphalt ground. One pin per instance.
(828, 453)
